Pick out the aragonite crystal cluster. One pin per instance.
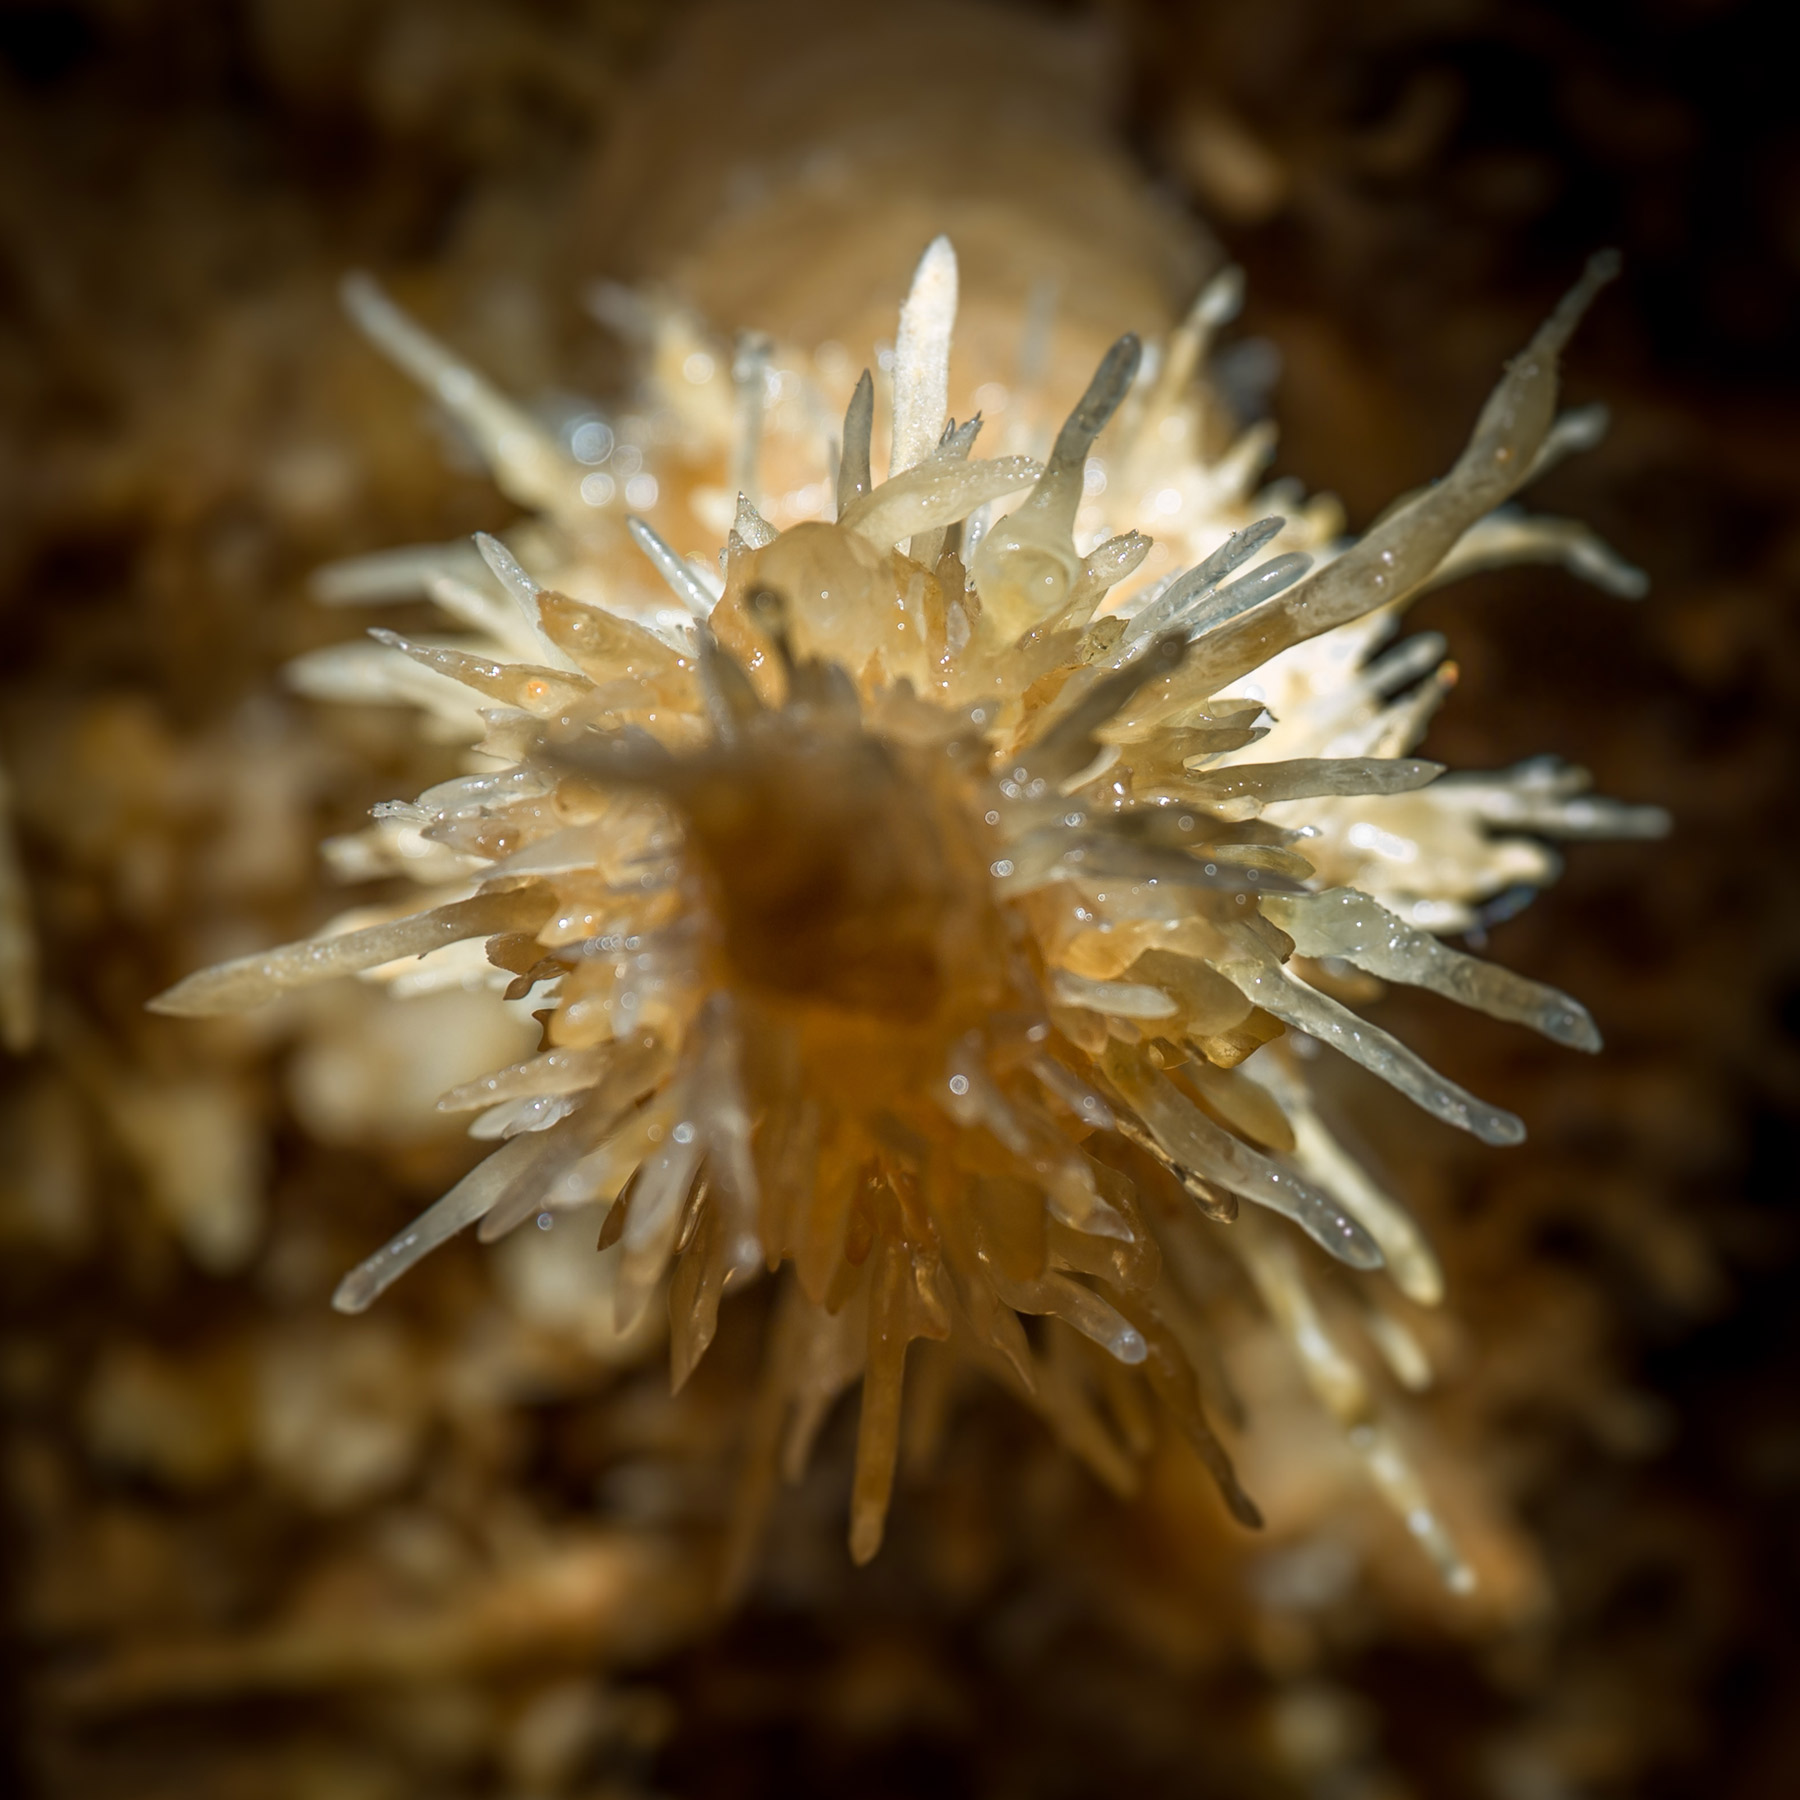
(935, 904)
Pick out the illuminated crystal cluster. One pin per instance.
(928, 902)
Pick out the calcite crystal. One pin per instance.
(933, 906)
